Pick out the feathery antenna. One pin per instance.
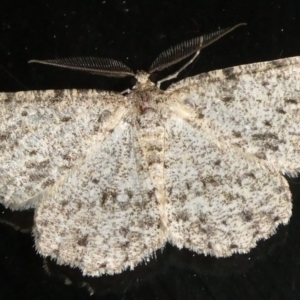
(100, 66)
(183, 50)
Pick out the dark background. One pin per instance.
(135, 32)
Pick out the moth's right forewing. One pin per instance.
(44, 134)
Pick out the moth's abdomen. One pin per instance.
(151, 139)
(151, 136)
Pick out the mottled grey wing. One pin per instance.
(220, 200)
(256, 107)
(44, 134)
(103, 215)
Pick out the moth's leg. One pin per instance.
(127, 91)
(174, 75)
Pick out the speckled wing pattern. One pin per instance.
(231, 134)
(92, 211)
(221, 201)
(256, 107)
(113, 178)
(108, 208)
(44, 133)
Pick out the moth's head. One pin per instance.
(142, 77)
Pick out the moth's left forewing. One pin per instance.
(254, 107)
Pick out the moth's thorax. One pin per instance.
(145, 96)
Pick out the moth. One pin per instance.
(113, 177)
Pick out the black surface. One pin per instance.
(135, 32)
